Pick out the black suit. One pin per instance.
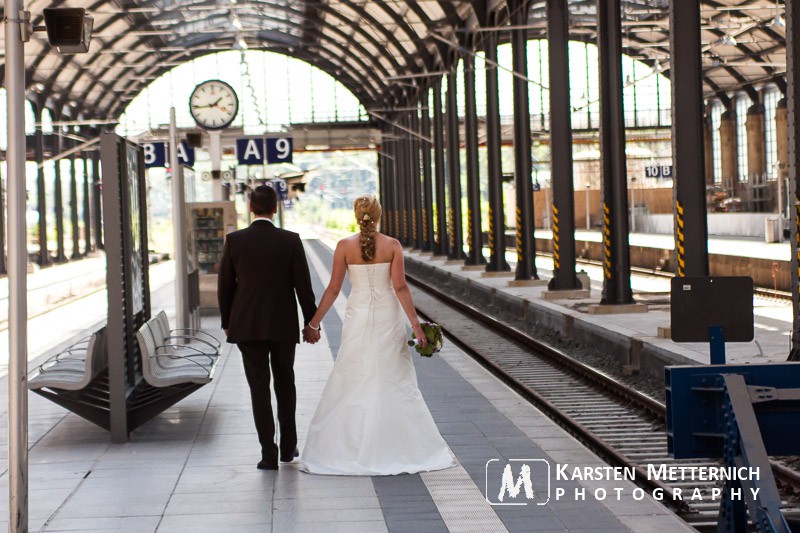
(262, 269)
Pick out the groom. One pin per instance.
(262, 269)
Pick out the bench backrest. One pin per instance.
(94, 363)
(97, 353)
(160, 324)
(147, 347)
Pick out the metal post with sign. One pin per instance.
(178, 231)
(17, 273)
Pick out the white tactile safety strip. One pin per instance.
(462, 505)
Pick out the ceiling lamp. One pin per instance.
(726, 40)
(778, 21)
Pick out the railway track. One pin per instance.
(623, 426)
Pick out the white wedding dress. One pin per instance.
(372, 419)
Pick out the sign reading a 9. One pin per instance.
(279, 150)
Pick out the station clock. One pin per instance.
(213, 104)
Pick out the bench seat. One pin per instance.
(74, 368)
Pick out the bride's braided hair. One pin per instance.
(368, 213)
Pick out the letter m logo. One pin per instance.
(517, 489)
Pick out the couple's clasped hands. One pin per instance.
(311, 335)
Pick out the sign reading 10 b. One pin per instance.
(259, 151)
(658, 171)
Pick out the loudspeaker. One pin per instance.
(194, 140)
(68, 29)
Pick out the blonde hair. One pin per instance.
(368, 213)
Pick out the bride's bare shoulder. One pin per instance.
(348, 241)
(385, 238)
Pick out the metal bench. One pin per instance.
(170, 365)
(74, 368)
(186, 337)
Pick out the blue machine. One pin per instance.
(741, 414)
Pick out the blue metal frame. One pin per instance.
(739, 413)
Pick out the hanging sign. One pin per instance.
(156, 154)
(255, 151)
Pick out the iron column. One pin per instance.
(793, 128)
(59, 205)
(497, 223)
(475, 232)
(442, 243)
(616, 263)
(454, 169)
(41, 193)
(97, 211)
(73, 207)
(87, 220)
(526, 245)
(691, 227)
(419, 144)
(427, 181)
(564, 277)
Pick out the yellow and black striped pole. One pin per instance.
(556, 241)
(680, 240)
(607, 243)
(562, 186)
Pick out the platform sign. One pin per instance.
(279, 150)
(156, 154)
(280, 187)
(698, 303)
(250, 151)
(255, 151)
(658, 171)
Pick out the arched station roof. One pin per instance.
(376, 48)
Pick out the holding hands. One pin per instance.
(311, 334)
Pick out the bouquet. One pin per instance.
(433, 332)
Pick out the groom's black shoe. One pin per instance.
(266, 465)
(290, 458)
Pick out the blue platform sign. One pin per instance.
(254, 151)
(279, 150)
(281, 188)
(250, 151)
(156, 154)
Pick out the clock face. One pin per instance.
(214, 104)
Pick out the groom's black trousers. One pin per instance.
(258, 356)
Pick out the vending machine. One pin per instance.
(209, 222)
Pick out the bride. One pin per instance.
(372, 419)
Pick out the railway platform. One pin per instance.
(634, 338)
(193, 467)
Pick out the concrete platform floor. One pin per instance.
(193, 467)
